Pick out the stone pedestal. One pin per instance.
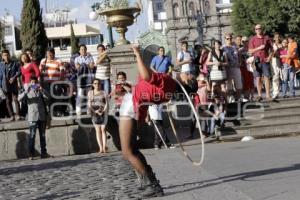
(123, 59)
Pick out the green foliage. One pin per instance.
(274, 15)
(33, 34)
(2, 42)
(74, 42)
(119, 3)
(108, 4)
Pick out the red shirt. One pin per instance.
(31, 70)
(283, 52)
(158, 90)
(256, 42)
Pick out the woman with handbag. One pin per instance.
(98, 108)
(217, 59)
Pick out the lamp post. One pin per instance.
(94, 16)
(110, 36)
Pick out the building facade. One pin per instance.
(11, 33)
(58, 30)
(196, 21)
(157, 15)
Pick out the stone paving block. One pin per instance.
(57, 141)
(3, 145)
(91, 177)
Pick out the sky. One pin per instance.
(80, 9)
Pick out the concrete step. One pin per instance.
(278, 129)
(258, 114)
(245, 124)
(268, 116)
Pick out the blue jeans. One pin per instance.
(263, 69)
(288, 73)
(106, 86)
(214, 122)
(41, 125)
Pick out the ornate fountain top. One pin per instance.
(103, 5)
(118, 14)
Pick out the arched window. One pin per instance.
(176, 10)
(191, 9)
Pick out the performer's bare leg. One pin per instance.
(126, 135)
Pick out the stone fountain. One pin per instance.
(121, 56)
(120, 17)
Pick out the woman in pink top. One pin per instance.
(28, 69)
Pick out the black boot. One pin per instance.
(150, 186)
(139, 176)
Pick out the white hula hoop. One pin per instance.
(159, 134)
(196, 163)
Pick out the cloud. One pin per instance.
(81, 12)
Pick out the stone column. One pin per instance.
(123, 59)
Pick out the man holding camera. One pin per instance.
(260, 46)
(37, 115)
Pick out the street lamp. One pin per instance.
(94, 16)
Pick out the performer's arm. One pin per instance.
(145, 72)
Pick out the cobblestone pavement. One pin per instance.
(92, 176)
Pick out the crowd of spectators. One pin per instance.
(214, 76)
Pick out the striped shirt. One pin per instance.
(103, 70)
(51, 70)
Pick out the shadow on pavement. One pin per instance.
(225, 179)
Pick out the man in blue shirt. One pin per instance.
(161, 63)
(9, 75)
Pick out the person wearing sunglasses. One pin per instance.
(234, 77)
(260, 46)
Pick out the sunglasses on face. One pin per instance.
(257, 28)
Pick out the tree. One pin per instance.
(274, 15)
(74, 42)
(33, 34)
(2, 41)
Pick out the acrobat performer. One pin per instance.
(151, 88)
